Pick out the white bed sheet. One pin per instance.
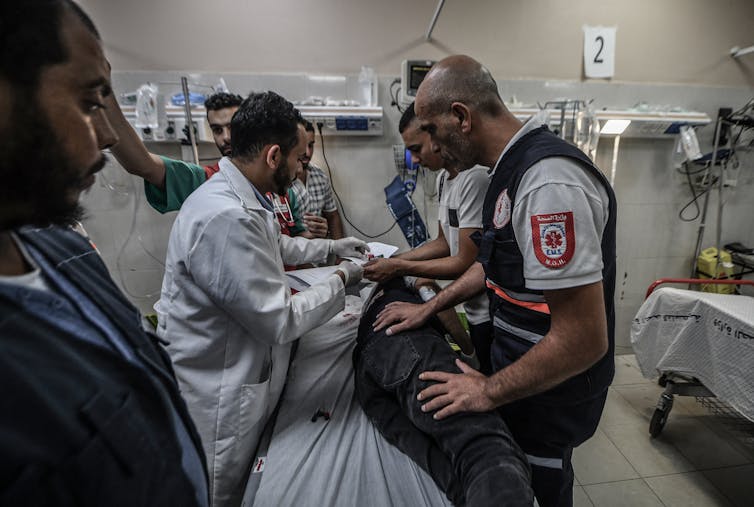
(704, 335)
(343, 461)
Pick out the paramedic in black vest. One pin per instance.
(547, 262)
(90, 412)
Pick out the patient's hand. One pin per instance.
(455, 392)
(316, 224)
(408, 316)
(381, 270)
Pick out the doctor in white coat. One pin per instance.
(226, 310)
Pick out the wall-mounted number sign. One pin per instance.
(599, 51)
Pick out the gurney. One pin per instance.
(698, 344)
(321, 448)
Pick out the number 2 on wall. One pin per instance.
(601, 41)
(599, 51)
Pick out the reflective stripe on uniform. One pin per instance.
(517, 331)
(536, 306)
(556, 463)
(523, 296)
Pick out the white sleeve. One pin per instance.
(471, 199)
(558, 217)
(300, 250)
(234, 261)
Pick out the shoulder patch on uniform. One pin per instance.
(502, 214)
(554, 238)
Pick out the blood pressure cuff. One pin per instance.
(405, 213)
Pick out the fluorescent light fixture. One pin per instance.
(614, 127)
(329, 79)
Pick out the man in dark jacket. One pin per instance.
(90, 413)
(547, 261)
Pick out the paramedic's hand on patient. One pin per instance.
(407, 315)
(316, 224)
(382, 270)
(455, 392)
(349, 247)
(349, 272)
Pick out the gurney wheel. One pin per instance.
(659, 418)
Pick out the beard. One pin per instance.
(224, 149)
(282, 178)
(41, 185)
(461, 150)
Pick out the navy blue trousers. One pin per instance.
(549, 425)
(481, 337)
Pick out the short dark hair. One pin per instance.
(308, 126)
(262, 119)
(30, 37)
(222, 100)
(407, 117)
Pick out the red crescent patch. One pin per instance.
(553, 238)
(502, 214)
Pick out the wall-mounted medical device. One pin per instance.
(337, 121)
(627, 123)
(412, 75)
(171, 126)
(344, 121)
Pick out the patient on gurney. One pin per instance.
(471, 456)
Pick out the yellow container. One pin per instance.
(707, 267)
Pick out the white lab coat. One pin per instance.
(229, 318)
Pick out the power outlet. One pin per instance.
(170, 132)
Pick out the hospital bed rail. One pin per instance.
(683, 385)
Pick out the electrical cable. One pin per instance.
(695, 197)
(731, 157)
(394, 96)
(337, 197)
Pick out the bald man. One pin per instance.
(547, 261)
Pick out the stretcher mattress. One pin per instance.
(703, 335)
(340, 461)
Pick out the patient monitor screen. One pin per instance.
(412, 75)
(417, 76)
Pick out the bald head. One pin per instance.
(459, 106)
(458, 78)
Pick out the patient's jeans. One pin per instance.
(471, 456)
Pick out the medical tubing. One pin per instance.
(337, 197)
(127, 193)
(131, 231)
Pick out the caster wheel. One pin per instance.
(659, 418)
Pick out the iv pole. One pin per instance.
(189, 121)
(703, 223)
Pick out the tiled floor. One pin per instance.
(697, 460)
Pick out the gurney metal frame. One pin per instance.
(684, 385)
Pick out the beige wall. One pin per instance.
(671, 41)
(515, 38)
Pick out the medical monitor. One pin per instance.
(412, 75)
